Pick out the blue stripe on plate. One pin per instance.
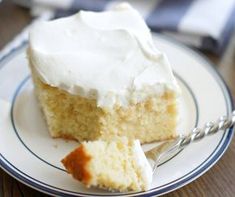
(26, 79)
(168, 14)
(30, 181)
(13, 50)
(209, 162)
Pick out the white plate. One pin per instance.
(29, 154)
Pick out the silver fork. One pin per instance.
(164, 151)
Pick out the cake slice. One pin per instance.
(119, 165)
(98, 75)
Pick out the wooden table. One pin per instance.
(218, 181)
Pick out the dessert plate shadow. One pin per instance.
(29, 154)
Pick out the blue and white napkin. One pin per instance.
(204, 24)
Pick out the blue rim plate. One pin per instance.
(34, 158)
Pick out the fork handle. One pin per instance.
(223, 123)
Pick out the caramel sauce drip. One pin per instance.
(76, 163)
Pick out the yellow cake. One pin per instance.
(98, 75)
(119, 165)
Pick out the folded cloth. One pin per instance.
(204, 24)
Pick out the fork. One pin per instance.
(160, 153)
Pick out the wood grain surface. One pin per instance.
(218, 181)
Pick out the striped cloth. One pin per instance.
(204, 24)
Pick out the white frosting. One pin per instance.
(142, 162)
(108, 55)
